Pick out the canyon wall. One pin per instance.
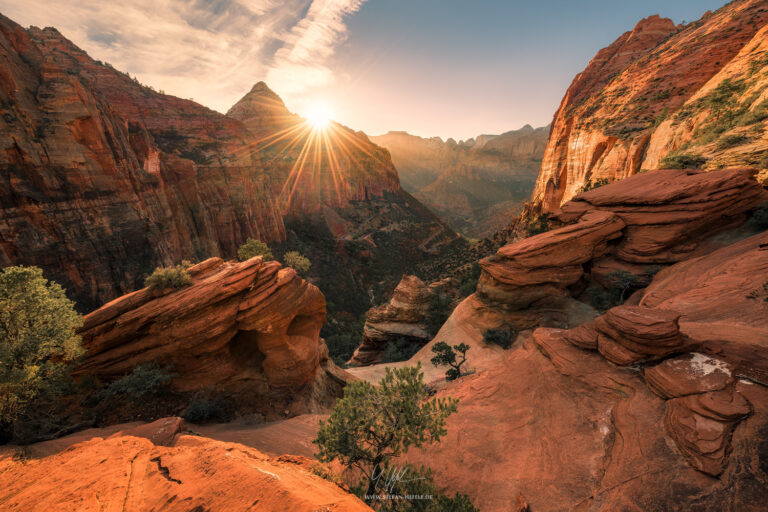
(663, 96)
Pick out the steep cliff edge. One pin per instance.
(692, 93)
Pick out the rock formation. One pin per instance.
(655, 404)
(477, 185)
(695, 93)
(105, 179)
(687, 431)
(248, 330)
(176, 472)
(402, 317)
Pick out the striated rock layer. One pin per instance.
(658, 91)
(559, 423)
(402, 317)
(657, 404)
(249, 330)
(132, 471)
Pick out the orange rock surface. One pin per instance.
(637, 101)
(130, 473)
(248, 328)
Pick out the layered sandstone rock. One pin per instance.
(521, 273)
(647, 96)
(628, 334)
(402, 317)
(669, 213)
(133, 473)
(247, 329)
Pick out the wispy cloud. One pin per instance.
(209, 50)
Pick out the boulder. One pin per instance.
(247, 329)
(402, 317)
(688, 374)
(628, 334)
(702, 424)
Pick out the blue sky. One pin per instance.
(452, 68)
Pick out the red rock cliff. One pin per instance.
(647, 96)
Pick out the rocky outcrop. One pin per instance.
(477, 185)
(402, 317)
(663, 400)
(249, 330)
(103, 179)
(657, 91)
(629, 334)
(521, 273)
(187, 472)
(668, 214)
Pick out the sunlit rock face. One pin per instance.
(249, 330)
(164, 466)
(660, 90)
(105, 179)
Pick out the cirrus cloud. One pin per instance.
(209, 50)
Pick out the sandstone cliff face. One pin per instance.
(476, 185)
(160, 466)
(662, 400)
(104, 179)
(654, 93)
(248, 330)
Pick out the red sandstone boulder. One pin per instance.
(402, 317)
(702, 424)
(246, 328)
(523, 272)
(687, 375)
(628, 334)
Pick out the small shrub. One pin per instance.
(589, 185)
(207, 410)
(538, 225)
(144, 381)
(468, 283)
(729, 141)
(169, 277)
(252, 248)
(445, 355)
(501, 337)
(683, 161)
(372, 424)
(297, 261)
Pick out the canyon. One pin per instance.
(106, 179)
(636, 373)
(476, 185)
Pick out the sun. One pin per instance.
(319, 115)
